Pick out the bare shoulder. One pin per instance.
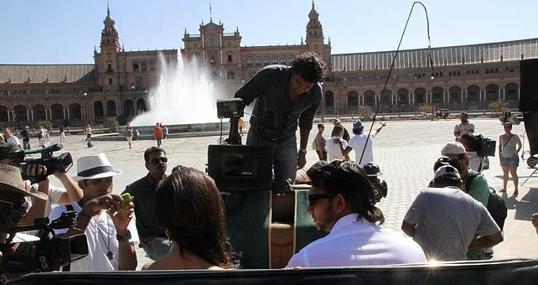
(149, 265)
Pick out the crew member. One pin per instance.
(288, 96)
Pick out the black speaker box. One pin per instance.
(528, 98)
(531, 128)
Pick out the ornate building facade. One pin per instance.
(118, 83)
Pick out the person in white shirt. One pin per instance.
(337, 147)
(358, 141)
(465, 127)
(102, 217)
(10, 138)
(341, 203)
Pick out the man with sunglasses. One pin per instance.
(286, 97)
(341, 203)
(152, 237)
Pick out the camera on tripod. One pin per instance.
(47, 254)
(61, 162)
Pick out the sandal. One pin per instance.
(515, 193)
(502, 190)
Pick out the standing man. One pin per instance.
(10, 138)
(102, 217)
(62, 133)
(88, 132)
(152, 237)
(358, 142)
(288, 96)
(25, 135)
(158, 134)
(464, 127)
(341, 203)
(320, 143)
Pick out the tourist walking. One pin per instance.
(88, 132)
(25, 135)
(158, 134)
(129, 134)
(509, 146)
(320, 143)
(62, 133)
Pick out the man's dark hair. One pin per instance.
(310, 66)
(321, 126)
(469, 142)
(348, 179)
(151, 150)
(337, 130)
(188, 205)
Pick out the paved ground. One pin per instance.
(405, 150)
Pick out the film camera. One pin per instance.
(380, 186)
(484, 146)
(61, 162)
(47, 254)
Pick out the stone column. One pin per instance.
(32, 114)
(463, 93)
(8, 115)
(518, 93)
(27, 115)
(501, 94)
(68, 117)
(447, 97)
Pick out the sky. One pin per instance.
(66, 31)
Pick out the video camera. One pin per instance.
(232, 109)
(485, 146)
(47, 254)
(61, 162)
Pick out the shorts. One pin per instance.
(510, 161)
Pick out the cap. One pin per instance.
(453, 148)
(358, 125)
(447, 171)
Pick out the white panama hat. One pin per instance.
(94, 167)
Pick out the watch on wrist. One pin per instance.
(124, 237)
(302, 150)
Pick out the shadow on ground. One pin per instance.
(524, 207)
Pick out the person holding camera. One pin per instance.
(102, 216)
(13, 206)
(14, 156)
(470, 144)
(509, 147)
(446, 222)
(287, 97)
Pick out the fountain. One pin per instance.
(184, 101)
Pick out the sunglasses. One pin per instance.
(159, 160)
(314, 198)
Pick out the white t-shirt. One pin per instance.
(13, 140)
(334, 151)
(101, 236)
(357, 142)
(358, 243)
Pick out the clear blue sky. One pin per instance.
(65, 31)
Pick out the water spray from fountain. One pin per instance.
(184, 95)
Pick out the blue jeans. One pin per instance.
(156, 247)
(284, 158)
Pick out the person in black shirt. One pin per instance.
(25, 135)
(152, 237)
(288, 96)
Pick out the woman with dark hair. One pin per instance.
(188, 205)
(509, 147)
(337, 147)
(471, 147)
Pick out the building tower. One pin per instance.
(314, 33)
(106, 62)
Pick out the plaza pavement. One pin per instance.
(405, 151)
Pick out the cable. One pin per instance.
(392, 67)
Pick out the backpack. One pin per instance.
(496, 205)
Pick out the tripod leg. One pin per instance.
(532, 174)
